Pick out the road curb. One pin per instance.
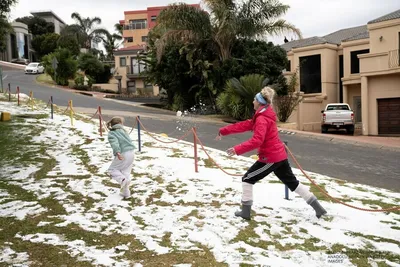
(340, 140)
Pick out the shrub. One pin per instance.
(66, 68)
(237, 99)
(286, 104)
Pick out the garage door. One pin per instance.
(389, 116)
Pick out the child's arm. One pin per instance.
(238, 127)
(114, 144)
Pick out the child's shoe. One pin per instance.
(125, 192)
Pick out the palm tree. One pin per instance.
(226, 21)
(87, 26)
(119, 28)
(110, 42)
(237, 99)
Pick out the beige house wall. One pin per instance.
(311, 115)
(349, 47)
(121, 71)
(389, 30)
(136, 34)
(380, 87)
(352, 91)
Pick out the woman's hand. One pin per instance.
(218, 137)
(231, 151)
(119, 156)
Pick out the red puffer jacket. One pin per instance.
(266, 138)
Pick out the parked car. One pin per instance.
(21, 61)
(337, 116)
(34, 67)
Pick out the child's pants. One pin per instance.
(121, 169)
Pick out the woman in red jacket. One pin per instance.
(271, 152)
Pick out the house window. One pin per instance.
(122, 61)
(153, 18)
(136, 24)
(355, 61)
(144, 38)
(310, 74)
(129, 39)
(288, 68)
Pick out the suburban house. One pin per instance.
(136, 27)
(50, 16)
(359, 66)
(18, 45)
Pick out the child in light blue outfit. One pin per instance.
(123, 150)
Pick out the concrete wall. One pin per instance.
(310, 110)
(108, 86)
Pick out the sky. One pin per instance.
(312, 17)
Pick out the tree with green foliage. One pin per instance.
(66, 68)
(5, 7)
(209, 74)
(237, 99)
(36, 25)
(87, 28)
(218, 45)
(70, 33)
(70, 39)
(119, 28)
(5, 29)
(45, 44)
(111, 42)
(286, 104)
(5, 26)
(226, 21)
(92, 66)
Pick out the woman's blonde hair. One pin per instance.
(268, 93)
(113, 121)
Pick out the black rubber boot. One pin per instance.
(319, 210)
(245, 212)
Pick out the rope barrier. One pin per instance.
(208, 155)
(333, 198)
(165, 142)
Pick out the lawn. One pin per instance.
(59, 207)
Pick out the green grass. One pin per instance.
(84, 157)
(20, 149)
(45, 78)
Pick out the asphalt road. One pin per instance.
(365, 165)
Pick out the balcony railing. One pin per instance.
(136, 26)
(394, 58)
(136, 70)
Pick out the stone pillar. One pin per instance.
(364, 105)
(345, 94)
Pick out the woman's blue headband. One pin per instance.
(261, 99)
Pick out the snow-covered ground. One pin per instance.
(63, 202)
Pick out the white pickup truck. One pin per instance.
(337, 116)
